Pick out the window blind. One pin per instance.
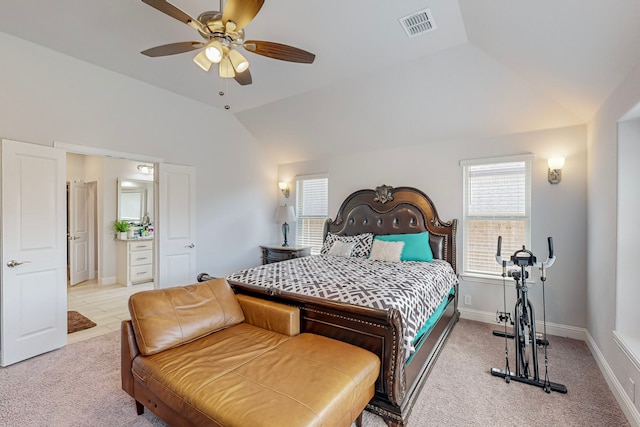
(312, 198)
(497, 203)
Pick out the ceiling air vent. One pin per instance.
(418, 23)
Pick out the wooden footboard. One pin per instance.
(378, 331)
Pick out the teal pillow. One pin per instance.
(416, 246)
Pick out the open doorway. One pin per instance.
(95, 290)
(82, 248)
(93, 203)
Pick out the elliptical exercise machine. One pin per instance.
(524, 325)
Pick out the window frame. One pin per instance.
(466, 218)
(315, 249)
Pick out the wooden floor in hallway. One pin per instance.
(106, 305)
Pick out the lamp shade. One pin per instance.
(285, 214)
(556, 163)
(226, 69)
(238, 61)
(202, 61)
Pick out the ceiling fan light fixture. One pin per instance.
(226, 68)
(214, 51)
(202, 61)
(238, 61)
(222, 33)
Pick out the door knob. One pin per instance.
(190, 246)
(14, 263)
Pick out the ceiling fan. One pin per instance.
(223, 34)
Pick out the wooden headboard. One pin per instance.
(388, 210)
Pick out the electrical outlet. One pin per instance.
(631, 391)
(467, 300)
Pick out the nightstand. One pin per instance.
(276, 253)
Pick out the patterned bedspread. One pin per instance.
(416, 289)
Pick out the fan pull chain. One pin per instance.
(224, 91)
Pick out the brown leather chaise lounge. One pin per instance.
(201, 356)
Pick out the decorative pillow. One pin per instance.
(341, 248)
(362, 243)
(386, 251)
(416, 245)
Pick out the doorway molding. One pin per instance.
(103, 152)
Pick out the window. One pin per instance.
(497, 202)
(312, 198)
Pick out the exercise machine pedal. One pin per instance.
(540, 340)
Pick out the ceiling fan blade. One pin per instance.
(279, 51)
(174, 12)
(241, 12)
(244, 78)
(172, 49)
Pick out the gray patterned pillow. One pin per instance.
(360, 250)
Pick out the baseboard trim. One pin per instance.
(627, 406)
(552, 328)
(107, 280)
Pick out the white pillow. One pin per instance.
(386, 251)
(339, 248)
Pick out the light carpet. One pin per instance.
(79, 385)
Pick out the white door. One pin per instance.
(176, 225)
(34, 279)
(78, 233)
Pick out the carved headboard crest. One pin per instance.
(383, 194)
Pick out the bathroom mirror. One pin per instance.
(135, 199)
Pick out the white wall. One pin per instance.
(602, 230)
(558, 210)
(47, 97)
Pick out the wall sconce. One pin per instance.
(284, 187)
(555, 169)
(145, 169)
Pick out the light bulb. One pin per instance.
(238, 61)
(214, 52)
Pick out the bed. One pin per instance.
(406, 336)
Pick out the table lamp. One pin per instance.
(285, 214)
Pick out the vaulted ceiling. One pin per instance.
(490, 67)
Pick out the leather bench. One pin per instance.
(199, 355)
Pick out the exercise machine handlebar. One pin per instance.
(531, 260)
